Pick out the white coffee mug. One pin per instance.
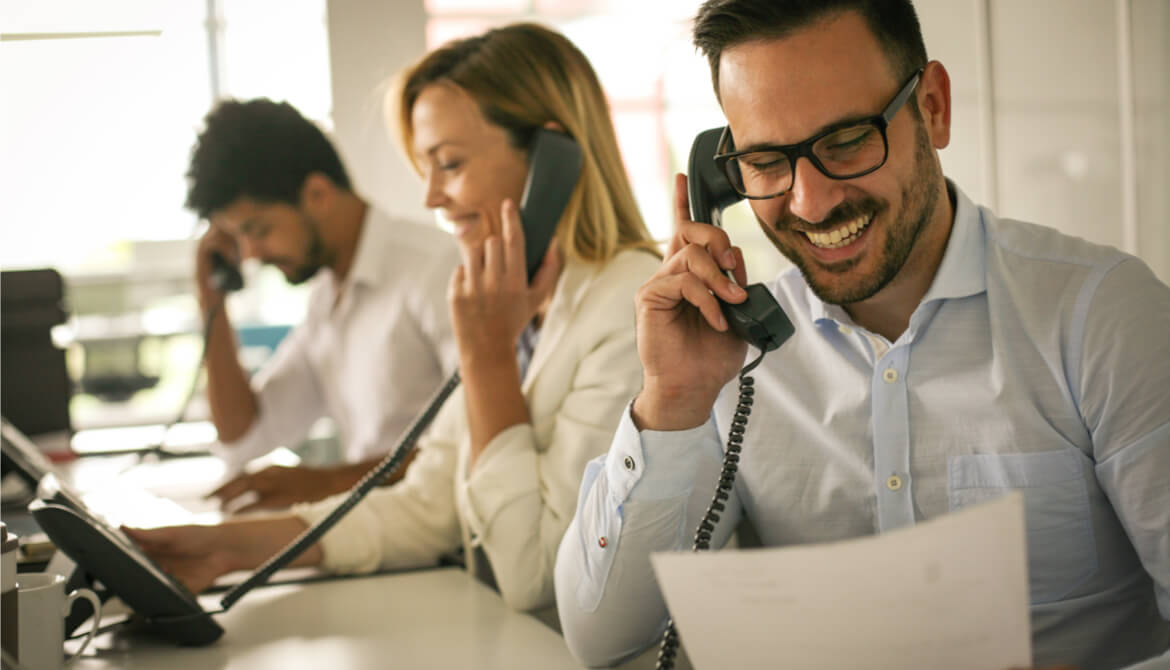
(43, 607)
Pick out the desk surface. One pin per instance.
(438, 618)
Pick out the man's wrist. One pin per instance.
(341, 478)
(209, 299)
(663, 409)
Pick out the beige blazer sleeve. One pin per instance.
(521, 495)
(518, 500)
(406, 525)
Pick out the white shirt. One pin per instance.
(370, 352)
(1035, 362)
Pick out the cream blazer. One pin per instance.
(516, 503)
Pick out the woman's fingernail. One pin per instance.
(728, 260)
(735, 289)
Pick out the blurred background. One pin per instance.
(1061, 116)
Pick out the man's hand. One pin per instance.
(688, 354)
(213, 241)
(277, 487)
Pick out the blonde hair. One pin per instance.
(523, 76)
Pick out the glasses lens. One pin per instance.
(760, 173)
(851, 151)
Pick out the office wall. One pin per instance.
(1062, 113)
(1061, 109)
(369, 41)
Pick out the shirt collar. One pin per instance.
(368, 262)
(962, 273)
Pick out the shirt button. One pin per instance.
(890, 375)
(894, 483)
(629, 463)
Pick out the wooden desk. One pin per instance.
(438, 618)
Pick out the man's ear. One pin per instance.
(934, 101)
(318, 194)
(553, 125)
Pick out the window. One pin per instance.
(102, 103)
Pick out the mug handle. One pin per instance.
(96, 603)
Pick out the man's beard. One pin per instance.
(919, 198)
(317, 255)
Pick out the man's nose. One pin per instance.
(249, 248)
(813, 195)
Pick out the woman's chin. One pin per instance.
(468, 234)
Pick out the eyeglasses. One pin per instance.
(843, 151)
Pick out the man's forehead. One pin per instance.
(234, 216)
(781, 90)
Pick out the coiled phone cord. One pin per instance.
(669, 647)
(208, 322)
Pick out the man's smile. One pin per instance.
(841, 236)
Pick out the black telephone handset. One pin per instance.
(225, 276)
(554, 165)
(759, 319)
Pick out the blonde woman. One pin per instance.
(547, 367)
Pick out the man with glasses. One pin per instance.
(941, 356)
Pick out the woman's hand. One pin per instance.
(491, 303)
(490, 298)
(194, 555)
(198, 555)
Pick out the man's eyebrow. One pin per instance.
(845, 122)
(249, 225)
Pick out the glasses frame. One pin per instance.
(794, 151)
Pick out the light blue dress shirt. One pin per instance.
(1036, 362)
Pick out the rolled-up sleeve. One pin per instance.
(288, 398)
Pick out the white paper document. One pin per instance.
(948, 593)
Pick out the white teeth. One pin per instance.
(840, 236)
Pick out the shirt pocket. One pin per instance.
(1062, 552)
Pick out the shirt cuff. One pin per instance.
(655, 464)
(237, 453)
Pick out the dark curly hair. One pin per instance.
(722, 24)
(257, 149)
